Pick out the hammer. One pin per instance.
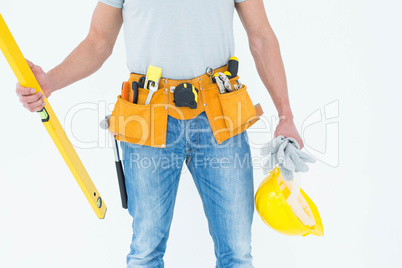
(104, 124)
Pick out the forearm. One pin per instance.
(83, 61)
(266, 53)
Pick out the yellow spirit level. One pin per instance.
(27, 79)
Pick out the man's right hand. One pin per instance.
(31, 100)
(83, 61)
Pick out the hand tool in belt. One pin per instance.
(119, 167)
(27, 79)
(222, 79)
(152, 80)
(223, 83)
(141, 82)
(134, 92)
(185, 95)
(125, 88)
(233, 67)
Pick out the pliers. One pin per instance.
(223, 83)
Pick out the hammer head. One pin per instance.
(104, 124)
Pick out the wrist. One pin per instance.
(52, 80)
(285, 116)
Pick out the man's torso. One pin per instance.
(183, 37)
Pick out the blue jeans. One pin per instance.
(223, 175)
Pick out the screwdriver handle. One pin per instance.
(233, 66)
(141, 82)
(125, 91)
(134, 87)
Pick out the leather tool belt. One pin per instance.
(228, 114)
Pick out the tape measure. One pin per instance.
(186, 95)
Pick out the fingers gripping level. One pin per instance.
(26, 78)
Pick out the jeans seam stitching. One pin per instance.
(207, 214)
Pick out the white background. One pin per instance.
(342, 51)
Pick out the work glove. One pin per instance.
(284, 152)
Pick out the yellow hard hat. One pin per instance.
(286, 208)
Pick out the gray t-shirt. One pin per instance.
(183, 37)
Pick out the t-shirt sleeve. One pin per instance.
(114, 3)
(238, 1)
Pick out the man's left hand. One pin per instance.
(287, 128)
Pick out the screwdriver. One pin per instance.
(134, 88)
(125, 91)
(141, 82)
(233, 67)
